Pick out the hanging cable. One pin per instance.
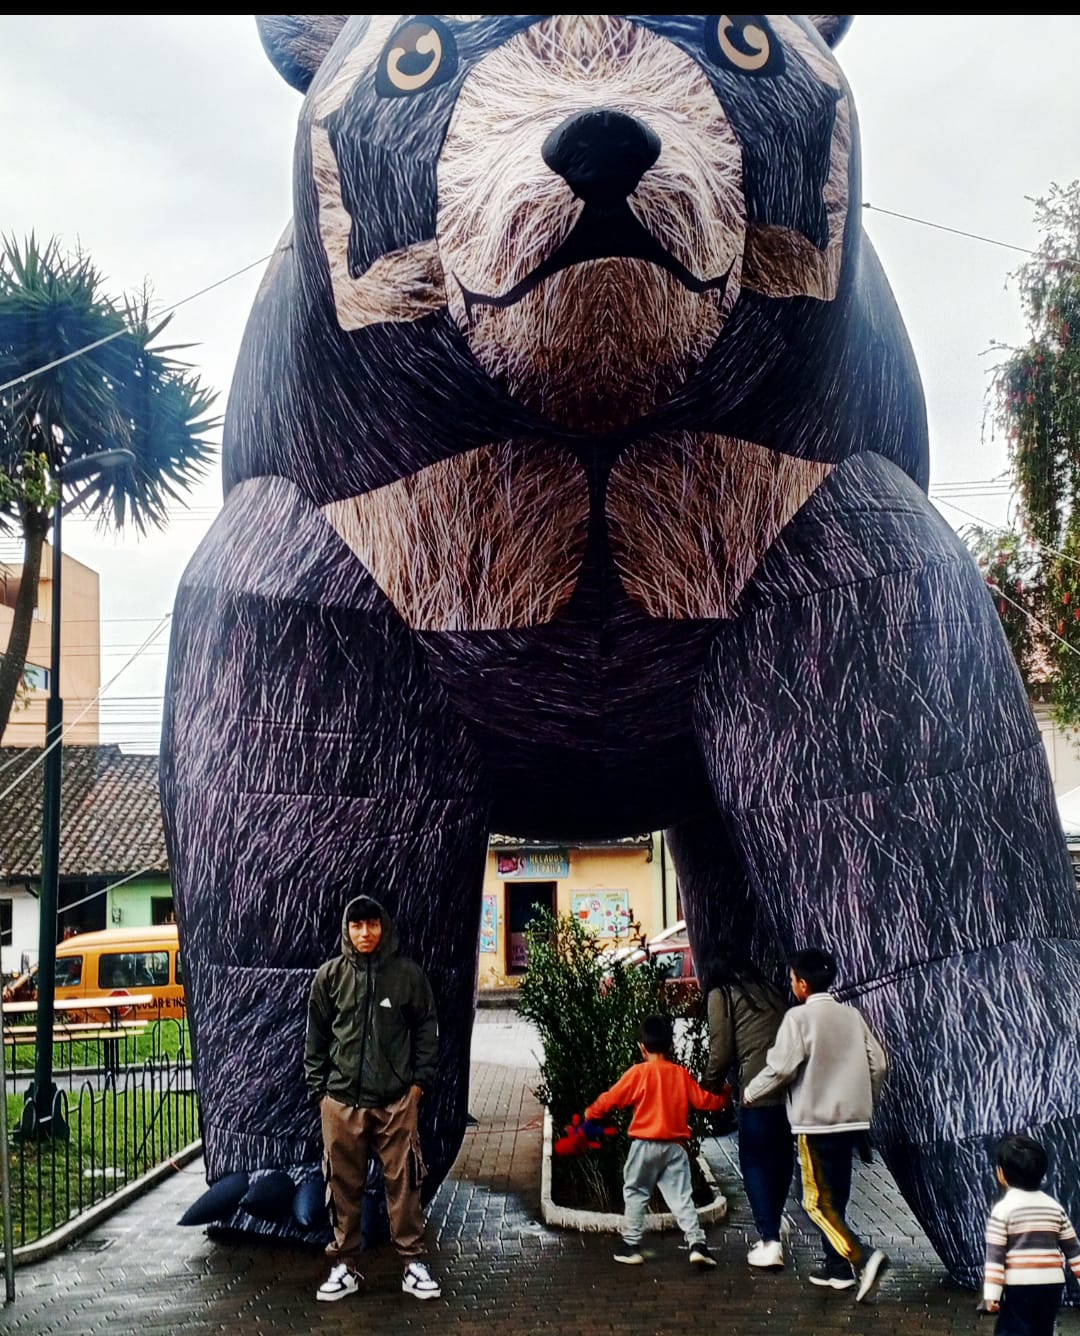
(1000, 593)
(150, 867)
(88, 348)
(1003, 528)
(57, 741)
(959, 232)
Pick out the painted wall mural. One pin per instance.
(575, 485)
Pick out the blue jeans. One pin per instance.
(662, 1164)
(767, 1161)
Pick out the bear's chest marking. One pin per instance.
(489, 539)
(689, 518)
(494, 538)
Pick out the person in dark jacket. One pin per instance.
(372, 1043)
(745, 1010)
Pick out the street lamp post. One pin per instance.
(41, 1114)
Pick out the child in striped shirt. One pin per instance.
(1028, 1240)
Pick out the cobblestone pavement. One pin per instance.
(502, 1269)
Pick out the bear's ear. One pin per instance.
(297, 43)
(831, 26)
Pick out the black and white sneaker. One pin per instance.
(700, 1256)
(873, 1269)
(418, 1281)
(341, 1282)
(833, 1280)
(628, 1254)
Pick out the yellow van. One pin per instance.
(124, 960)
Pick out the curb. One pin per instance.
(86, 1220)
(608, 1222)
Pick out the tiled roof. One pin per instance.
(625, 842)
(110, 816)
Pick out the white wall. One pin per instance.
(24, 929)
(1062, 752)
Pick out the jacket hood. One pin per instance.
(387, 946)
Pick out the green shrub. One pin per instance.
(587, 1009)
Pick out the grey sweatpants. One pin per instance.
(350, 1136)
(666, 1165)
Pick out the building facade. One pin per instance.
(80, 652)
(617, 887)
(113, 864)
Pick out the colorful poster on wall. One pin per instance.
(541, 865)
(607, 912)
(489, 924)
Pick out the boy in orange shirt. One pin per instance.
(661, 1093)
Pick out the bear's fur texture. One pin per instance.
(575, 485)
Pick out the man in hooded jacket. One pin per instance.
(372, 1042)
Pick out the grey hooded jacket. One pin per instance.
(371, 1031)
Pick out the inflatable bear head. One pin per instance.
(577, 227)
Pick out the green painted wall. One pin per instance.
(132, 902)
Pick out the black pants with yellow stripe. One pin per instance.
(825, 1160)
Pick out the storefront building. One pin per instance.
(618, 887)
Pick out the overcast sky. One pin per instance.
(163, 144)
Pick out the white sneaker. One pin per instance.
(875, 1267)
(767, 1253)
(341, 1281)
(419, 1282)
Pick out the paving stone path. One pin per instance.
(502, 1269)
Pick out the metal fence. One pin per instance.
(123, 1105)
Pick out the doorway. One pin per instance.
(524, 900)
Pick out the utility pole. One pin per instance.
(38, 1112)
(41, 1114)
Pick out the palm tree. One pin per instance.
(120, 392)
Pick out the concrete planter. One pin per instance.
(610, 1222)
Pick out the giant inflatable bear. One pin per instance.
(575, 472)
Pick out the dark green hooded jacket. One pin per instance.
(371, 1031)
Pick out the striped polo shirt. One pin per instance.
(1028, 1240)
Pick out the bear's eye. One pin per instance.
(421, 54)
(744, 42)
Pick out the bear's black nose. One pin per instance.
(602, 154)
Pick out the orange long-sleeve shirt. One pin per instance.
(662, 1094)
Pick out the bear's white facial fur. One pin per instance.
(600, 343)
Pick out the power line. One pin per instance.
(956, 231)
(1000, 593)
(150, 867)
(78, 352)
(58, 741)
(1003, 528)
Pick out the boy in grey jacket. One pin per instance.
(832, 1067)
(372, 1042)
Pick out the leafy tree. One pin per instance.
(1013, 570)
(122, 391)
(1034, 569)
(587, 1007)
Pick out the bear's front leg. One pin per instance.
(874, 753)
(307, 758)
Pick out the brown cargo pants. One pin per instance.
(350, 1136)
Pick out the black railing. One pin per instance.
(125, 1103)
